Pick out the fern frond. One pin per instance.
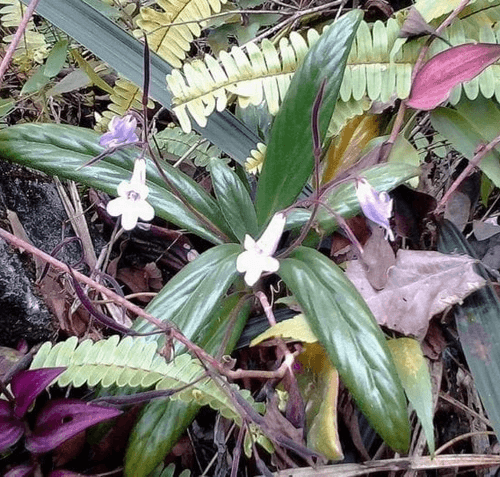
(254, 163)
(174, 141)
(169, 41)
(166, 36)
(379, 68)
(134, 362)
(254, 75)
(126, 96)
(33, 48)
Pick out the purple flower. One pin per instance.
(377, 206)
(120, 131)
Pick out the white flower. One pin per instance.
(131, 203)
(257, 257)
(377, 206)
(120, 131)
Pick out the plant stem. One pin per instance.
(17, 37)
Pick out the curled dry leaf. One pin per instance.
(420, 285)
(435, 80)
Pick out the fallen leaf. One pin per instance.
(378, 258)
(458, 209)
(485, 229)
(420, 285)
(435, 80)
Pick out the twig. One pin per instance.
(478, 157)
(17, 37)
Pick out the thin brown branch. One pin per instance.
(17, 37)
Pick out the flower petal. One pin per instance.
(244, 261)
(129, 218)
(116, 206)
(269, 240)
(146, 211)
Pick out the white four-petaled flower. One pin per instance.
(120, 131)
(258, 255)
(377, 206)
(131, 203)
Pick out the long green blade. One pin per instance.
(354, 342)
(125, 54)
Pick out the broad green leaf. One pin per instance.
(466, 136)
(478, 328)
(343, 197)
(354, 342)
(124, 53)
(55, 60)
(414, 375)
(234, 200)
(289, 158)
(192, 295)
(60, 150)
(36, 82)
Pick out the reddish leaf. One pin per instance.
(62, 419)
(11, 429)
(435, 80)
(27, 385)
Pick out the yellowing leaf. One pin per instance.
(323, 432)
(296, 329)
(346, 148)
(318, 382)
(414, 375)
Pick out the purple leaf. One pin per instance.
(62, 419)
(21, 471)
(435, 80)
(27, 385)
(11, 429)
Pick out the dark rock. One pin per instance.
(23, 313)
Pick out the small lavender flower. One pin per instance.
(131, 203)
(257, 257)
(377, 206)
(120, 131)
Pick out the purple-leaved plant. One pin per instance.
(56, 422)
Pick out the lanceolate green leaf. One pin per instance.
(478, 328)
(234, 200)
(191, 296)
(60, 150)
(289, 158)
(124, 53)
(354, 342)
(414, 374)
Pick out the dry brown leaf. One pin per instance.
(420, 285)
(378, 258)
